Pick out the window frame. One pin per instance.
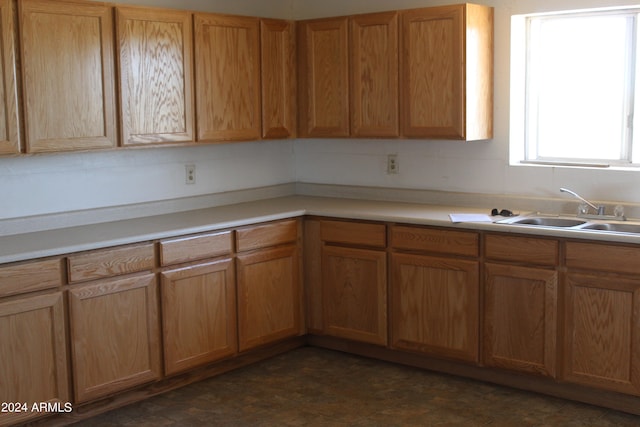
(523, 148)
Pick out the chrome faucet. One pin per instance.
(599, 209)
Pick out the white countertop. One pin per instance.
(39, 244)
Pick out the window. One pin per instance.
(580, 88)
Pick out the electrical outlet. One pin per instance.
(392, 164)
(189, 174)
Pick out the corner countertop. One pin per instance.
(20, 247)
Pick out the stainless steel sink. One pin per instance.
(549, 221)
(573, 223)
(613, 227)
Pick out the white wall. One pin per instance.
(34, 185)
(456, 166)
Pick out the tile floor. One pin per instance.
(316, 387)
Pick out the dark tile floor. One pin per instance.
(316, 387)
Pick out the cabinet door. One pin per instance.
(323, 60)
(68, 78)
(156, 84)
(520, 318)
(115, 341)
(435, 306)
(278, 78)
(354, 283)
(198, 315)
(432, 72)
(268, 296)
(374, 74)
(447, 72)
(602, 339)
(9, 128)
(227, 77)
(33, 354)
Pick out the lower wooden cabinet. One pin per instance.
(435, 305)
(602, 332)
(520, 317)
(115, 340)
(354, 283)
(33, 354)
(198, 314)
(268, 296)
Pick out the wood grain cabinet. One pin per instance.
(521, 304)
(323, 75)
(373, 72)
(198, 301)
(155, 52)
(113, 321)
(354, 281)
(227, 57)
(278, 72)
(447, 72)
(67, 75)
(269, 288)
(33, 338)
(348, 71)
(435, 294)
(602, 317)
(9, 121)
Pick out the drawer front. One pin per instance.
(603, 257)
(193, 248)
(522, 249)
(29, 277)
(262, 236)
(110, 262)
(465, 243)
(353, 233)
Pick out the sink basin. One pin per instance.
(613, 227)
(549, 221)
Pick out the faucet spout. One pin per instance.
(599, 209)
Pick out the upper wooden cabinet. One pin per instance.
(227, 50)
(323, 73)
(278, 58)
(447, 72)
(374, 74)
(156, 84)
(9, 125)
(67, 75)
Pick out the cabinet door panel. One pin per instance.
(33, 353)
(268, 296)
(433, 72)
(374, 74)
(156, 84)
(520, 318)
(324, 78)
(602, 343)
(227, 77)
(355, 294)
(435, 306)
(68, 77)
(114, 335)
(9, 124)
(278, 58)
(198, 315)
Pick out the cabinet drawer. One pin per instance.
(192, 248)
(354, 233)
(611, 258)
(262, 236)
(521, 249)
(441, 241)
(29, 277)
(110, 262)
